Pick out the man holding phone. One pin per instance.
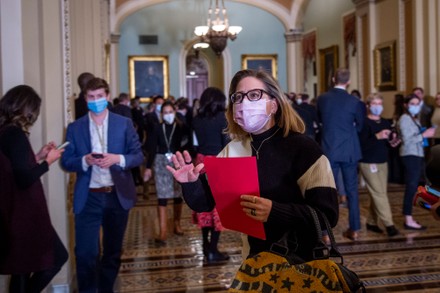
(102, 149)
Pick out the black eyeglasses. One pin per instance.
(252, 95)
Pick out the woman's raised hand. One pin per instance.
(183, 169)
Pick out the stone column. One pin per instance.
(295, 61)
(114, 63)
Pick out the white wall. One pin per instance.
(11, 52)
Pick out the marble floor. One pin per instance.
(409, 262)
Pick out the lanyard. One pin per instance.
(168, 140)
(100, 136)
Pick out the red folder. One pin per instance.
(229, 178)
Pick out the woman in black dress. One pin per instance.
(209, 126)
(31, 251)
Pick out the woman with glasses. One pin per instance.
(292, 171)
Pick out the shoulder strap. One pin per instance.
(414, 121)
(320, 251)
(334, 252)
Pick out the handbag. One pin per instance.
(280, 270)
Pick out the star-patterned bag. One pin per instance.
(270, 271)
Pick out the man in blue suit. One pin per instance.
(103, 148)
(342, 117)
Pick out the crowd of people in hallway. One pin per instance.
(373, 150)
(309, 152)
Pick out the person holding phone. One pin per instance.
(376, 138)
(103, 148)
(30, 249)
(412, 154)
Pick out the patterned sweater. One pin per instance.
(293, 173)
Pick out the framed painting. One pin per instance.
(385, 66)
(267, 62)
(329, 62)
(148, 76)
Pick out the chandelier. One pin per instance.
(217, 31)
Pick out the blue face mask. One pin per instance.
(97, 106)
(414, 109)
(158, 108)
(376, 109)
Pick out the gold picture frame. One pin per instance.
(385, 66)
(148, 76)
(329, 62)
(267, 62)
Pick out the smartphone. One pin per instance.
(98, 156)
(61, 146)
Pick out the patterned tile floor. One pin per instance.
(407, 262)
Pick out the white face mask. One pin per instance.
(169, 118)
(376, 109)
(414, 109)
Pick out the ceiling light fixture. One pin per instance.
(217, 31)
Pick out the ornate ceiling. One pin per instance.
(285, 3)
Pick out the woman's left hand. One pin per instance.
(184, 170)
(42, 154)
(257, 208)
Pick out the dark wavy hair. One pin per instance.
(95, 84)
(408, 99)
(212, 101)
(20, 106)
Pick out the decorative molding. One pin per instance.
(401, 48)
(105, 32)
(294, 35)
(309, 46)
(286, 17)
(349, 35)
(361, 60)
(114, 38)
(68, 103)
(359, 3)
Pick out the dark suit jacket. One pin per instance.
(80, 106)
(151, 120)
(342, 118)
(122, 139)
(122, 110)
(308, 118)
